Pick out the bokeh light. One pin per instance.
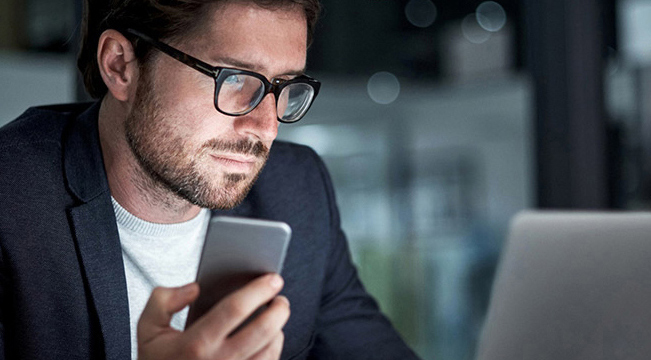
(472, 31)
(421, 13)
(383, 87)
(491, 16)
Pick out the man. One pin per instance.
(104, 204)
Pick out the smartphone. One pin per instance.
(236, 251)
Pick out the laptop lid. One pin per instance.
(572, 285)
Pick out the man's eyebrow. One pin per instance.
(236, 63)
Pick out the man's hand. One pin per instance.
(208, 337)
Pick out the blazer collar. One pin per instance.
(83, 162)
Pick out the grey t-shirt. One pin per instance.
(158, 255)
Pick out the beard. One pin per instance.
(170, 162)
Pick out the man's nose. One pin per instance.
(262, 122)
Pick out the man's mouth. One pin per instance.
(236, 162)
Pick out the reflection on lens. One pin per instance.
(283, 100)
(235, 82)
(294, 101)
(239, 94)
(256, 97)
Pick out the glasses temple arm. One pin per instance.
(177, 54)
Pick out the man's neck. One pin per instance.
(130, 185)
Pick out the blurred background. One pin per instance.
(438, 120)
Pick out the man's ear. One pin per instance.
(117, 64)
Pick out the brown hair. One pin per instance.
(160, 19)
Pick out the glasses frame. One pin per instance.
(220, 73)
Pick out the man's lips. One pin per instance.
(235, 162)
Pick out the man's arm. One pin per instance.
(350, 324)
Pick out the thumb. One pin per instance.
(162, 305)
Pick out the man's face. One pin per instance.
(176, 134)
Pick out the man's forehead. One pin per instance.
(244, 35)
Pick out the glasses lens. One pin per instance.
(294, 101)
(239, 93)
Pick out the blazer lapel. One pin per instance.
(99, 249)
(95, 231)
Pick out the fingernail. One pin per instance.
(186, 288)
(285, 300)
(276, 281)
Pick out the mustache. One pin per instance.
(244, 147)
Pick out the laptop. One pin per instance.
(572, 286)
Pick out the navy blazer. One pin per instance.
(63, 291)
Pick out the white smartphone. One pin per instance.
(236, 251)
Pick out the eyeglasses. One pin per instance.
(238, 92)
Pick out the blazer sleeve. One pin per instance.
(350, 324)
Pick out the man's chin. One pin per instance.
(223, 195)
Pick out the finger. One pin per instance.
(273, 350)
(224, 317)
(262, 331)
(161, 306)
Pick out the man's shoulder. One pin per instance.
(295, 158)
(32, 149)
(294, 170)
(42, 124)
(291, 151)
